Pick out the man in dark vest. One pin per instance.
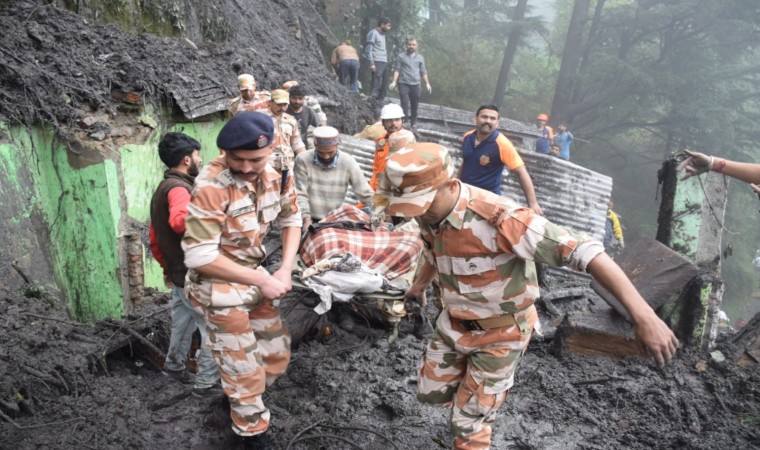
(168, 209)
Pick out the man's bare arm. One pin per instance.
(527, 187)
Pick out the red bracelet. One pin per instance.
(721, 164)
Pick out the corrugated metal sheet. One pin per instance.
(570, 195)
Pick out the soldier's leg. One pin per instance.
(273, 339)
(490, 375)
(442, 366)
(241, 368)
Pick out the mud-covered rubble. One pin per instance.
(57, 68)
(341, 391)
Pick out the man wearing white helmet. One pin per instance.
(392, 117)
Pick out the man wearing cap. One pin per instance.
(236, 198)
(396, 141)
(485, 154)
(482, 249)
(249, 99)
(323, 176)
(287, 137)
(409, 73)
(392, 118)
(304, 114)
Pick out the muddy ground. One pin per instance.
(66, 385)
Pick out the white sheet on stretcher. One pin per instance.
(351, 278)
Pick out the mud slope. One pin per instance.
(56, 66)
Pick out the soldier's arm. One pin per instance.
(653, 334)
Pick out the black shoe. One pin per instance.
(261, 441)
(183, 376)
(208, 392)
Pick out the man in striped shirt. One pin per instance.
(323, 176)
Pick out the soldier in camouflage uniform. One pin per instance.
(249, 99)
(287, 137)
(236, 198)
(481, 247)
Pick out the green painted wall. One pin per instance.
(687, 217)
(79, 203)
(79, 211)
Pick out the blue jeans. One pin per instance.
(348, 75)
(184, 321)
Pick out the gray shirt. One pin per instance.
(375, 48)
(410, 68)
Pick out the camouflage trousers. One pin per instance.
(251, 346)
(471, 372)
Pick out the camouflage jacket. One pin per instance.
(230, 217)
(259, 102)
(287, 142)
(485, 249)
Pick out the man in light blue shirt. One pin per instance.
(563, 139)
(376, 54)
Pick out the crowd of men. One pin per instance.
(280, 162)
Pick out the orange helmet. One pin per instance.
(543, 117)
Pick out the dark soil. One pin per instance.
(66, 385)
(61, 391)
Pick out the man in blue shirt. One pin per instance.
(485, 153)
(563, 139)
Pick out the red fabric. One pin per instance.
(394, 253)
(178, 198)
(154, 246)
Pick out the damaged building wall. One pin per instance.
(72, 208)
(690, 221)
(87, 204)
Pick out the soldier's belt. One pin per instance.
(487, 324)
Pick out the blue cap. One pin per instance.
(249, 130)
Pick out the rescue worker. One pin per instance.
(392, 118)
(481, 247)
(485, 154)
(237, 197)
(311, 102)
(323, 176)
(613, 229)
(287, 137)
(249, 99)
(543, 143)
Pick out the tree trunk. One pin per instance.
(571, 58)
(509, 53)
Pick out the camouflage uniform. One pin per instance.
(230, 217)
(483, 253)
(287, 141)
(260, 102)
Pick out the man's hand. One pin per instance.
(414, 296)
(537, 209)
(657, 339)
(372, 67)
(285, 277)
(392, 86)
(429, 89)
(696, 164)
(306, 222)
(274, 288)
